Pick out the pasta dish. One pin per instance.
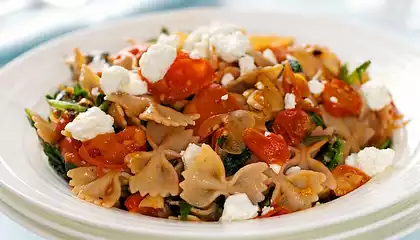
(216, 125)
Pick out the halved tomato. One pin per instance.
(292, 124)
(348, 179)
(340, 99)
(267, 146)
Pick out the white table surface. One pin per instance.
(399, 16)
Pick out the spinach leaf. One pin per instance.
(185, 209)
(55, 159)
(309, 140)
(164, 30)
(386, 144)
(221, 140)
(356, 75)
(63, 105)
(79, 92)
(333, 154)
(233, 162)
(296, 67)
(317, 119)
(102, 103)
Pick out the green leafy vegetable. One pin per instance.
(233, 162)
(221, 140)
(334, 154)
(185, 209)
(102, 103)
(104, 106)
(267, 200)
(79, 92)
(55, 159)
(296, 67)
(69, 166)
(309, 140)
(317, 119)
(386, 144)
(164, 30)
(356, 75)
(62, 105)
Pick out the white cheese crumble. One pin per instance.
(238, 207)
(333, 99)
(95, 91)
(269, 55)
(156, 61)
(89, 124)
(377, 95)
(227, 40)
(371, 160)
(316, 86)
(259, 85)
(275, 167)
(171, 40)
(292, 170)
(266, 210)
(246, 64)
(225, 97)
(227, 78)
(289, 101)
(189, 154)
(98, 63)
(118, 79)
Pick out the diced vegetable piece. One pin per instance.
(348, 178)
(317, 119)
(233, 162)
(292, 124)
(62, 105)
(268, 147)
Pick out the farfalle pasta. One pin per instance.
(187, 128)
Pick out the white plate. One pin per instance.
(24, 82)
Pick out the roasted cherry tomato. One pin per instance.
(292, 124)
(348, 178)
(340, 99)
(69, 149)
(184, 78)
(268, 147)
(294, 83)
(208, 103)
(132, 202)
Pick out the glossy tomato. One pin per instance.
(292, 124)
(69, 149)
(184, 78)
(268, 147)
(348, 178)
(208, 103)
(340, 99)
(132, 202)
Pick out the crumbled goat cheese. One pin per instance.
(289, 101)
(269, 55)
(371, 160)
(227, 78)
(316, 86)
(156, 61)
(189, 154)
(377, 95)
(238, 207)
(171, 40)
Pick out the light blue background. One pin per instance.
(402, 17)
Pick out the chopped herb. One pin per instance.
(185, 209)
(164, 30)
(296, 67)
(221, 140)
(316, 119)
(333, 154)
(233, 162)
(309, 140)
(356, 75)
(79, 92)
(62, 105)
(386, 144)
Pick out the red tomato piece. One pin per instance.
(132, 202)
(348, 179)
(268, 147)
(184, 78)
(347, 102)
(208, 103)
(292, 124)
(62, 123)
(69, 149)
(294, 84)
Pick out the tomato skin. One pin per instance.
(349, 102)
(69, 149)
(348, 179)
(294, 84)
(132, 202)
(184, 78)
(268, 147)
(208, 103)
(292, 124)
